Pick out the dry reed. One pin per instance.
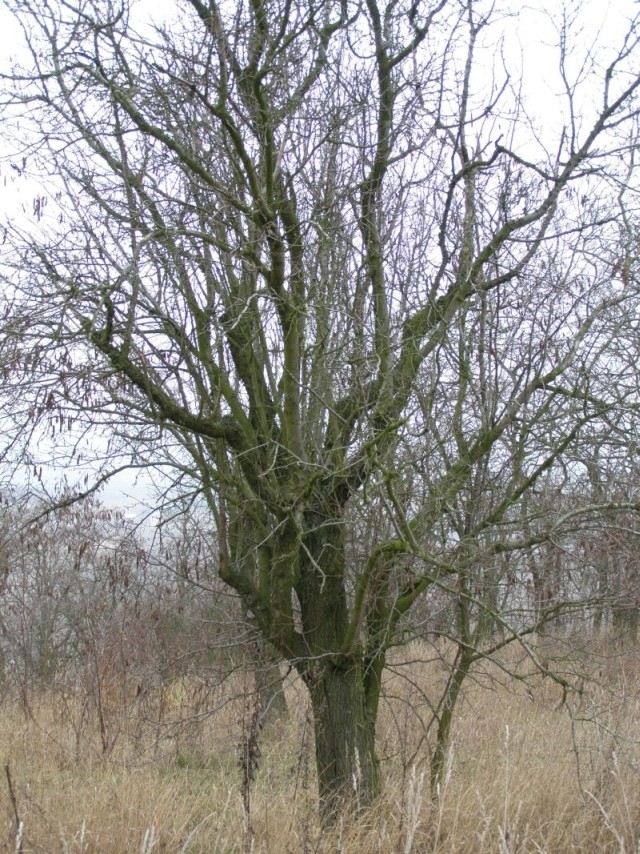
(523, 774)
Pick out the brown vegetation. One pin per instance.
(524, 773)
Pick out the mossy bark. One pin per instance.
(343, 696)
(346, 761)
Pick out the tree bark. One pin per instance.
(346, 761)
(459, 673)
(343, 696)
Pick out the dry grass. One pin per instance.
(523, 775)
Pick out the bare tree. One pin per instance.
(67, 579)
(296, 251)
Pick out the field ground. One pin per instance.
(156, 769)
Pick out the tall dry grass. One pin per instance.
(524, 774)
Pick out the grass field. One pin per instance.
(158, 768)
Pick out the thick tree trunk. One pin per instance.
(344, 697)
(347, 766)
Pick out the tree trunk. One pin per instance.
(347, 766)
(460, 671)
(344, 696)
(269, 683)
